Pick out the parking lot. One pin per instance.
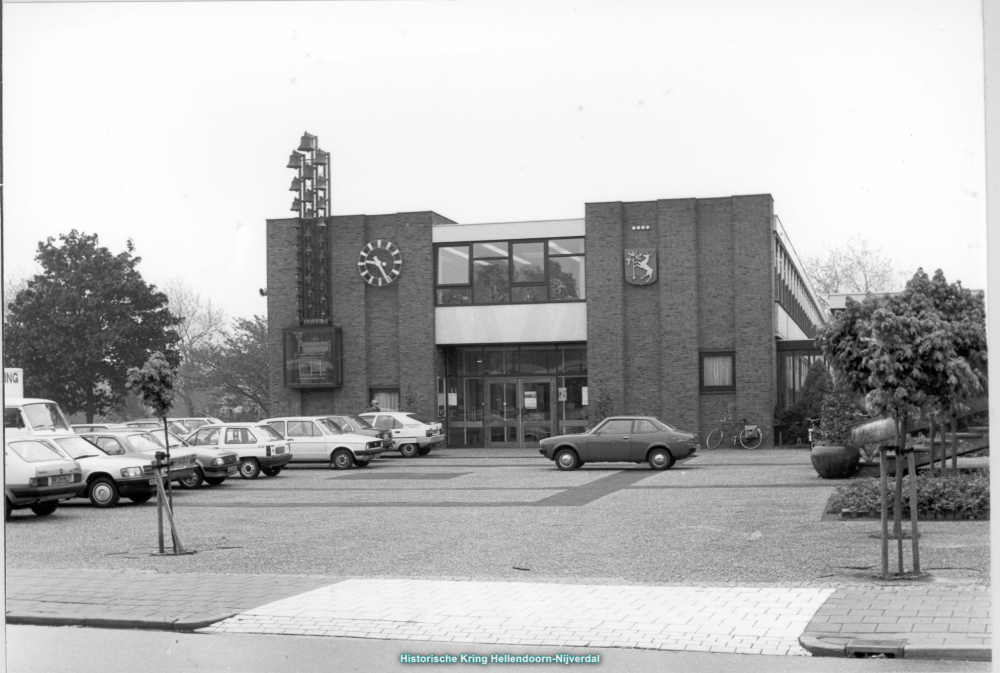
(728, 516)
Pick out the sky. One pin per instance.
(171, 123)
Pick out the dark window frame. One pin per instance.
(336, 355)
(701, 370)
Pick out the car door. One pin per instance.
(307, 441)
(644, 433)
(612, 441)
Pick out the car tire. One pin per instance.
(141, 498)
(409, 450)
(342, 459)
(660, 459)
(361, 463)
(566, 459)
(214, 481)
(7, 508)
(714, 439)
(45, 508)
(271, 471)
(249, 468)
(424, 451)
(194, 481)
(103, 493)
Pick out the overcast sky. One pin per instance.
(171, 123)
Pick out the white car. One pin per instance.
(259, 448)
(412, 435)
(108, 478)
(31, 416)
(38, 476)
(317, 438)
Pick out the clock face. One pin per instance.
(380, 263)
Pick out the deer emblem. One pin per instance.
(639, 266)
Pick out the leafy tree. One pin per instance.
(856, 267)
(793, 422)
(202, 326)
(238, 367)
(80, 325)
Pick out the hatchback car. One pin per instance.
(154, 424)
(38, 476)
(139, 443)
(622, 439)
(214, 465)
(108, 478)
(359, 426)
(80, 428)
(258, 447)
(412, 435)
(318, 439)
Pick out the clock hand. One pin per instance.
(381, 267)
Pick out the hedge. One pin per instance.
(966, 494)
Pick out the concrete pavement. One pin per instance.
(919, 622)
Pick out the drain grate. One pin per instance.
(865, 648)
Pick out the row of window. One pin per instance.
(508, 272)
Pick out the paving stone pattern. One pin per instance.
(734, 620)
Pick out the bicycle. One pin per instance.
(750, 435)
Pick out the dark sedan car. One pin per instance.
(622, 439)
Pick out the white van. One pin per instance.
(31, 416)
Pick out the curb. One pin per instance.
(821, 648)
(40, 619)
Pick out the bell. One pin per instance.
(308, 171)
(296, 185)
(308, 143)
(321, 157)
(321, 224)
(309, 195)
(321, 203)
(295, 161)
(296, 205)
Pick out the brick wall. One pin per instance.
(282, 308)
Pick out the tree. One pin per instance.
(79, 325)
(238, 367)
(202, 326)
(13, 283)
(856, 267)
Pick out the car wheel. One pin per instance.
(424, 451)
(193, 481)
(361, 463)
(7, 508)
(660, 459)
(141, 498)
(409, 450)
(103, 492)
(249, 468)
(271, 471)
(714, 439)
(214, 481)
(566, 459)
(45, 508)
(342, 459)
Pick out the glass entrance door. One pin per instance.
(519, 411)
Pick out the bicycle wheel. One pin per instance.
(748, 441)
(714, 439)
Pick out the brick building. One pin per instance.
(511, 332)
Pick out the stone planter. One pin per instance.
(835, 462)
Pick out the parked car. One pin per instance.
(38, 476)
(32, 416)
(359, 426)
(80, 428)
(214, 465)
(133, 441)
(108, 478)
(412, 435)
(193, 423)
(154, 424)
(257, 446)
(622, 439)
(317, 438)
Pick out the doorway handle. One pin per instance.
(625, 437)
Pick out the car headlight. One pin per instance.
(130, 472)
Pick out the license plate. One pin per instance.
(61, 479)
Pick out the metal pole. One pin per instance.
(914, 532)
(954, 442)
(884, 497)
(159, 501)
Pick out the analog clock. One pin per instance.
(380, 263)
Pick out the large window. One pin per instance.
(313, 357)
(511, 272)
(718, 372)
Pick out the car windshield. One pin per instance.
(78, 447)
(268, 432)
(360, 422)
(330, 426)
(145, 442)
(420, 419)
(45, 416)
(35, 451)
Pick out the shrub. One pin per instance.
(967, 494)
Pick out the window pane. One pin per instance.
(538, 360)
(529, 262)
(530, 293)
(310, 357)
(501, 360)
(453, 265)
(454, 296)
(572, 408)
(574, 360)
(492, 281)
(566, 278)
(470, 361)
(32, 451)
(645, 427)
(615, 428)
(495, 249)
(718, 371)
(566, 246)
